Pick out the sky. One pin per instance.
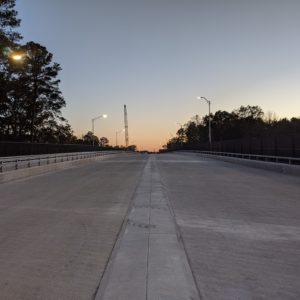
(157, 56)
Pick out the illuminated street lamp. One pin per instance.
(17, 57)
(209, 121)
(117, 132)
(93, 121)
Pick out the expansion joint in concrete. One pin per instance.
(150, 262)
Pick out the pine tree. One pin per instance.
(42, 99)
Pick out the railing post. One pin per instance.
(39, 161)
(16, 166)
(1, 167)
(48, 161)
(28, 164)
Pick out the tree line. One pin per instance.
(30, 97)
(242, 123)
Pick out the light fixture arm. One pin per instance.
(93, 121)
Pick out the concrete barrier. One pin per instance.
(271, 166)
(38, 170)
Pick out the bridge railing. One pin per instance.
(267, 158)
(15, 163)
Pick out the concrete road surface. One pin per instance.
(57, 230)
(240, 227)
(194, 229)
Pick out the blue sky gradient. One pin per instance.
(156, 56)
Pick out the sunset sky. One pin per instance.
(156, 56)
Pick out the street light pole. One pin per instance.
(93, 121)
(209, 120)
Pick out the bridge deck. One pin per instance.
(194, 228)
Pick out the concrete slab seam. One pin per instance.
(150, 262)
(109, 264)
(180, 238)
(158, 187)
(149, 233)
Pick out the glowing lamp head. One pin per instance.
(17, 57)
(104, 116)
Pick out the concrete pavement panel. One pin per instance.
(240, 226)
(57, 231)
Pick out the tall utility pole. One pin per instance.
(126, 126)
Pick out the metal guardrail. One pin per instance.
(15, 164)
(267, 158)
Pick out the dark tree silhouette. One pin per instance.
(30, 98)
(104, 142)
(32, 102)
(246, 122)
(8, 38)
(8, 21)
(132, 147)
(42, 98)
(89, 138)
